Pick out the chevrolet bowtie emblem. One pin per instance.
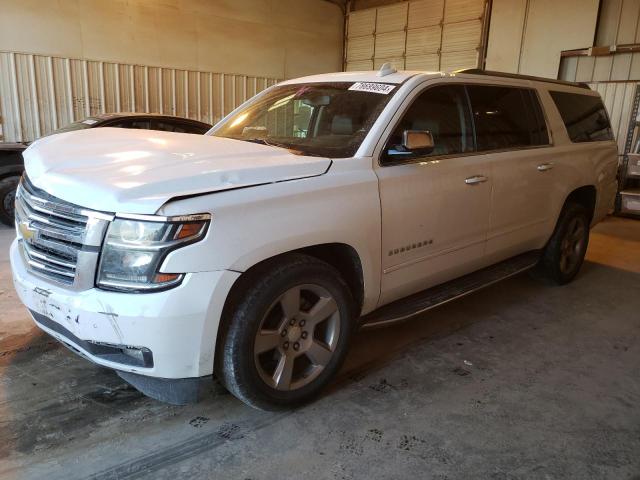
(26, 231)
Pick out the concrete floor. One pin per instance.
(521, 380)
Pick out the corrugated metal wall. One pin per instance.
(619, 67)
(41, 93)
(618, 23)
(417, 35)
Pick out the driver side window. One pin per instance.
(442, 111)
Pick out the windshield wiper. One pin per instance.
(292, 149)
(262, 141)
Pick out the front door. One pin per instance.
(435, 203)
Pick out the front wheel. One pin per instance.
(564, 254)
(288, 334)
(8, 188)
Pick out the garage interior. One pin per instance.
(519, 380)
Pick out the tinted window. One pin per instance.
(584, 116)
(178, 126)
(506, 117)
(443, 111)
(166, 126)
(194, 128)
(136, 124)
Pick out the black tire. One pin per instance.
(564, 253)
(258, 297)
(8, 186)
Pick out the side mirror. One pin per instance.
(255, 132)
(418, 140)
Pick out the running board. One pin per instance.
(435, 296)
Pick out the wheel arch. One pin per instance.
(343, 257)
(346, 260)
(586, 196)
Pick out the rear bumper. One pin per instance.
(167, 335)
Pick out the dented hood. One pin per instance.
(137, 171)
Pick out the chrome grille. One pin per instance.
(58, 240)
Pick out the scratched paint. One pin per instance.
(113, 320)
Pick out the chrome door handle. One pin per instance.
(475, 180)
(545, 166)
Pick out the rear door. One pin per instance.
(435, 204)
(511, 130)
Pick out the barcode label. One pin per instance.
(372, 87)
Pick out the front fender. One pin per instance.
(254, 224)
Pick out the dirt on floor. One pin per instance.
(520, 380)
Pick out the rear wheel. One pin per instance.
(288, 334)
(8, 186)
(564, 254)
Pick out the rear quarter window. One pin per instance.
(584, 116)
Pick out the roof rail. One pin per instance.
(478, 71)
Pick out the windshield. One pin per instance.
(86, 123)
(323, 119)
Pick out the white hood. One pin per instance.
(137, 171)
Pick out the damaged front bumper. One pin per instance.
(163, 343)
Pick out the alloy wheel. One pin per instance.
(297, 337)
(572, 245)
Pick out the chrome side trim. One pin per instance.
(143, 287)
(50, 269)
(47, 258)
(476, 179)
(545, 167)
(160, 218)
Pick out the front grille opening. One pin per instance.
(67, 256)
(52, 209)
(51, 233)
(68, 252)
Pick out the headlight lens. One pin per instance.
(134, 250)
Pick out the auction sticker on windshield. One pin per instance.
(383, 88)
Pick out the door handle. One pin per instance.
(545, 166)
(475, 180)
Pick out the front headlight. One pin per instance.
(135, 248)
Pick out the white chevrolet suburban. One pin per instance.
(319, 206)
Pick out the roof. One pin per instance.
(364, 76)
(515, 76)
(397, 77)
